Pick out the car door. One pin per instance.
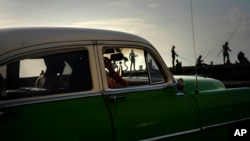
(53, 94)
(147, 108)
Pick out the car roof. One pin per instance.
(15, 38)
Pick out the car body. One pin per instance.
(54, 86)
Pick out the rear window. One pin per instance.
(46, 75)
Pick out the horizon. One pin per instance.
(164, 23)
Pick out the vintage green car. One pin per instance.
(77, 84)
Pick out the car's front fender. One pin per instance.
(203, 83)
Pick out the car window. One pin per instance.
(46, 75)
(130, 67)
(155, 71)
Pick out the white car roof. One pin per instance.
(12, 39)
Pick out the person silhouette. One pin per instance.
(242, 58)
(173, 56)
(50, 79)
(132, 59)
(225, 49)
(178, 68)
(199, 61)
(201, 66)
(114, 80)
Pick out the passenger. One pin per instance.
(40, 80)
(80, 77)
(52, 76)
(114, 79)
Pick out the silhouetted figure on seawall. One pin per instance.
(178, 68)
(226, 49)
(173, 56)
(200, 62)
(201, 66)
(242, 58)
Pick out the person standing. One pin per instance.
(173, 55)
(132, 59)
(225, 49)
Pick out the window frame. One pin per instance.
(67, 47)
(158, 65)
(169, 80)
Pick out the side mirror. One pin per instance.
(180, 86)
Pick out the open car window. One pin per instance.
(133, 67)
(46, 75)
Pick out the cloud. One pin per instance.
(131, 25)
(6, 23)
(120, 4)
(235, 15)
(152, 5)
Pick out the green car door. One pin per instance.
(74, 119)
(153, 114)
(64, 102)
(149, 106)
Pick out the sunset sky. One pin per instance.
(163, 22)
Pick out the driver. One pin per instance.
(113, 78)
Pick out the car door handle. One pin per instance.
(113, 98)
(12, 112)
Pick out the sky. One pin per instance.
(162, 22)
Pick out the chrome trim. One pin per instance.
(41, 99)
(122, 43)
(40, 48)
(193, 130)
(109, 91)
(172, 135)
(225, 123)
